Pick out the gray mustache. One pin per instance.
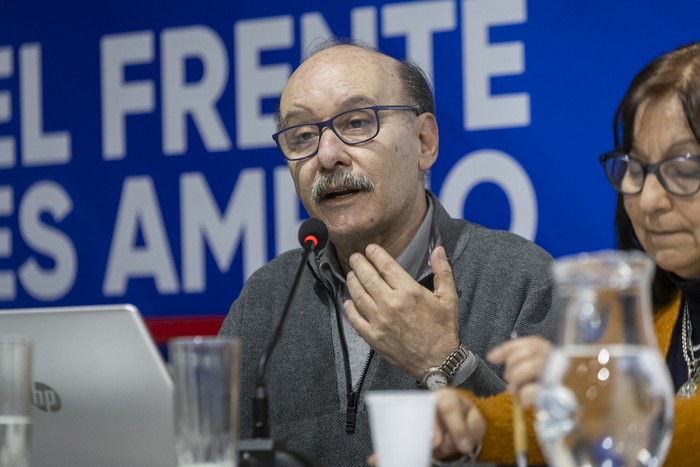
(349, 180)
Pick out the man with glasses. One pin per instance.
(402, 296)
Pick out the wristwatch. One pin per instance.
(440, 376)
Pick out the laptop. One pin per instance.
(102, 395)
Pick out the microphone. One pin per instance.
(312, 231)
(263, 451)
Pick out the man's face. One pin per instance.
(344, 78)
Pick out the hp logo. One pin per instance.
(45, 398)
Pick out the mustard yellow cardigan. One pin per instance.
(497, 410)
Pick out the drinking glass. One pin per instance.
(205, 373)
(606, 397)
(15, 394)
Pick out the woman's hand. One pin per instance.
(524, 359)
(459, 426)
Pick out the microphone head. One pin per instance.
(313, 231)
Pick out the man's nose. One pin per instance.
(331, 150)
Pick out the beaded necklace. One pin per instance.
(690, 387)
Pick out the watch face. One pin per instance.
(436, 380)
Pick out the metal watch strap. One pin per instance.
(454, 361)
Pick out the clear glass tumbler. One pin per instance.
(606, 397)
(15, 394)
(205, 372)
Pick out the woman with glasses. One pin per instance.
(655, 169)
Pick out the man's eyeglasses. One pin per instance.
(678, 175)
(352, 127)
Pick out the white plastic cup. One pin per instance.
(402, 424)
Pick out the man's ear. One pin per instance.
(428, 136)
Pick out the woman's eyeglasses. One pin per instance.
(679, 175)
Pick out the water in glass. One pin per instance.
(606, 397)
(14, 436)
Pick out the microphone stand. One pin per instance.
(263, 451)
(261, 418)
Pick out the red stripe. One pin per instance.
(165, 328)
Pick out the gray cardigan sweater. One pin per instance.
(504, 284)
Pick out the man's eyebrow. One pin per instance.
(357, 100)
(289, 118)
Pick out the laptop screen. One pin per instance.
(102, 395)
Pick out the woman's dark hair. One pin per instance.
(675, 73)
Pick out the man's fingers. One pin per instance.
(443, 279)
(362, 299)
(356, 318)
(387, 267)
(366, 276)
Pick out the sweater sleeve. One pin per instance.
(685, 444)
(497, 444)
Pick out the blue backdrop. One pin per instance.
(136, 163)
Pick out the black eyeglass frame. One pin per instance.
(329, 124)
(647, 169)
